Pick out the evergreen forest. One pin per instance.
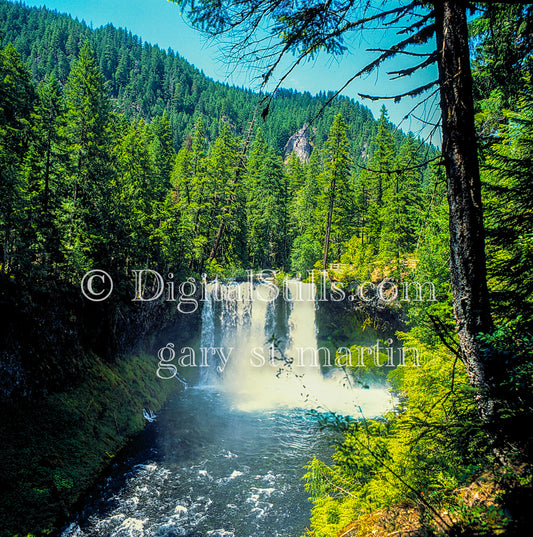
(119, 156)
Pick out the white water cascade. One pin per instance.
(268, 356)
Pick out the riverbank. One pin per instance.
(54, 447)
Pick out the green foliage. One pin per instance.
(62, 482)
(16, 97)
(84, 208)
(509, 349)
(337, 198)
(432, 256)
(360, 257)
(145, 81)
(110, 115)
(402, 205)
(374, 180)
(267, 198)
(502, 61)
(305, 218)
(508, 174)
(419, 457)
(122, 156)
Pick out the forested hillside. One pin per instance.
(144, 81)
(96, 181)
(165, 105)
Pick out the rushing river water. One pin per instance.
(226, 457)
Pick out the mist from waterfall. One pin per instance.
(268, 336)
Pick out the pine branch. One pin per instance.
(397, 98)
(408, 72)
(401, 170)
(407, 53)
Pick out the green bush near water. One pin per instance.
(418, 457)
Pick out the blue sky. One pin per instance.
(160, 22)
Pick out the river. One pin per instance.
(226, 456)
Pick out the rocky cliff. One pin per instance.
(299, 144)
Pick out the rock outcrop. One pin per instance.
(299, 144)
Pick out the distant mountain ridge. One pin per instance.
(145, 80)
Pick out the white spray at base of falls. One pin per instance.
(269, 338)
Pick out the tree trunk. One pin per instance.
(216, 244)
(467, 236)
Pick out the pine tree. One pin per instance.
(136, 191)
(188, 179)
(223, 212)
(267, 206)
(164, 153)
(44, 169)
(16, 104)
(374, 180)
(400, 212)
(86, 217)
(338, 192)
(509, 175)
(307, 248)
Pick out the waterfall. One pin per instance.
(266, 353)
(208, 320)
